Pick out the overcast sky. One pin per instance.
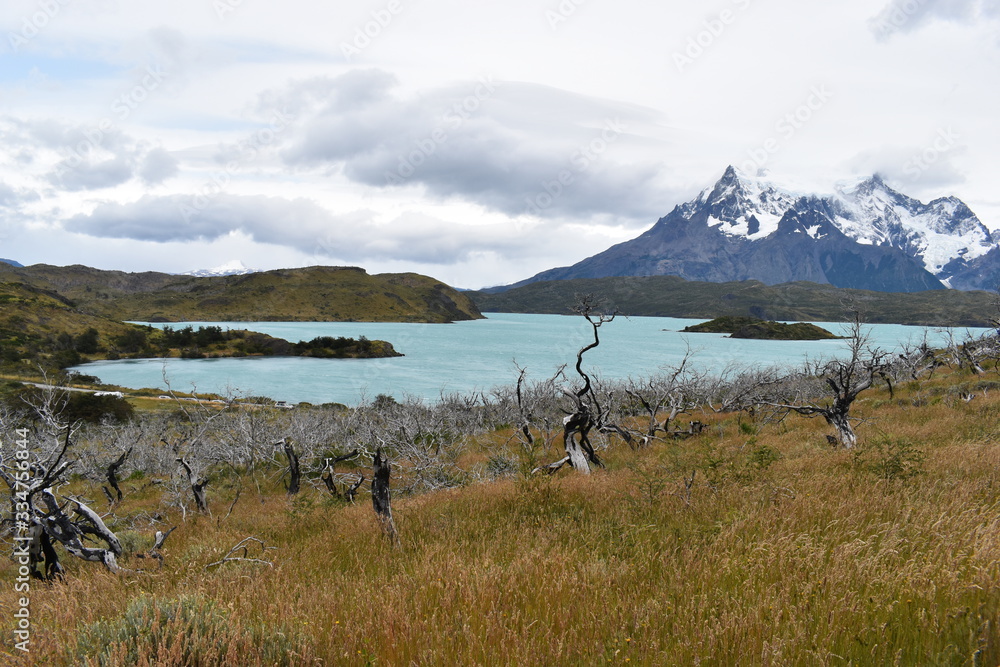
(479, 143)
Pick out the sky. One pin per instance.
(478, 143)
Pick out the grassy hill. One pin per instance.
(670, 296)
(56, 317)
(322, 294)
(42, 327)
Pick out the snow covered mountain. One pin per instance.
(233, 268)
(867, 236)
(944, 235)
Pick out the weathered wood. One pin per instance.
(294, 473)
(381, 498)
(197, 485)
(349, 491)
(161, 537)
(245, 544)
(113, 472)
(158, 541)
(59, 526)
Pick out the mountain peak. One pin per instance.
(732, 174)
(866, 235)
(740, 205)
(232, 268)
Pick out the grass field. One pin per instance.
(781, 551)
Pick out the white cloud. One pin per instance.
(300, 224)
(903, 16)
(515, 147)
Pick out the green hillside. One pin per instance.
(322, 294)
(40, 327)
(670, 296)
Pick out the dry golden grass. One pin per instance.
(783, 551)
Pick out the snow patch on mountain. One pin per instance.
(936, 233)
(231, 268)
(743, 206)
(868, 211)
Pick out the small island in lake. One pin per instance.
(214, 342)
(751, 327)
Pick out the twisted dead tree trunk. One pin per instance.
(70, 534)
(41, 523)
(198, 485)
(113, 474)
(381, 497)
(525, 413)
(295, 475)
(587, 411)
(846, 379)
(350, 490)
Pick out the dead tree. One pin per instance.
(329, 478)
(676, 393)
(587, 413)
(70, 533)
(113, 474)
(846, 379)
(524, 412)
(197, 483)
(41, 522)
(158, 541)
(381, 496)
(295, 475)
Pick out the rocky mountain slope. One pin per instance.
(867, 236)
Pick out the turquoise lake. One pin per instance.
(473, 356)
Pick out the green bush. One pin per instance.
(190, 630)
(890, 459)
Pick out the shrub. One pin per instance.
(890, 459)
(190, 630)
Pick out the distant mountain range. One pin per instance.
(11, 262)
(867, 237)
(233, 268)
